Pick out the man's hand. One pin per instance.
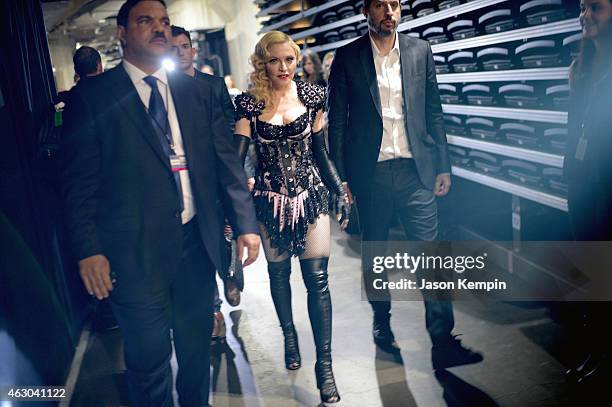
(443, 183)
(251, 184)
(251, 241)
(95, 272)
(348, 192)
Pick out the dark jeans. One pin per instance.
(590, 213)
(397, 191)
(184, 306)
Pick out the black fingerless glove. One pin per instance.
(242, 145)
(330, 175)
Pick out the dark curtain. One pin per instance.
(41, 300)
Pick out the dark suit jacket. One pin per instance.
(220, 93)
(119, 191)
(64, 96)
(355, 118)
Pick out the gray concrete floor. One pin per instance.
(522, 365)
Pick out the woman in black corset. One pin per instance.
(293, 182)
(588, 163)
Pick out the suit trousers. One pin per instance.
(397, 192)
(589, 208)
(180, 313)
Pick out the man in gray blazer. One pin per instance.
(387, 139)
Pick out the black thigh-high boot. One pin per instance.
(314, 273)
(280, 289)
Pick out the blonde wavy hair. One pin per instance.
(261, 86)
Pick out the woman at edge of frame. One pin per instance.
(588, 164)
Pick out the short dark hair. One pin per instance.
(367, 3)
(176, 31)
(86, 60)
(124, 11)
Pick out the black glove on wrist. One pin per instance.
(242, 145)
(330, 176)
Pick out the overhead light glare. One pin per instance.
(168, 64)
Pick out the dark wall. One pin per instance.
(212, 50)
(40, 298)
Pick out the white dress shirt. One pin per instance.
(144, 91)
(389, 77)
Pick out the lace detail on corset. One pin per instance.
(289, 193)
(286, 219)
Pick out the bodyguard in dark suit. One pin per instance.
(183, 52)
(144, 155)
(387, 139)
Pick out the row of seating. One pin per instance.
(556, 51)
(498, 18)
(542, 137)
(535, 95)
(501, 17)
(532, 175)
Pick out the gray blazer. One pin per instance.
(355, 118)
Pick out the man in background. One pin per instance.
(184, 54)
(87, 64)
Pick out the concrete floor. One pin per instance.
(522, 347)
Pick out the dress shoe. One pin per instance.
(105, 323)
(104, 319)
(218, 332)
(452, 353)
(590, 367)
(382, 334)
(231, 291)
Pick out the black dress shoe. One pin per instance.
(591, 367)
(104, 319)
(382, 334)
(231, 291)
(105, 324)
(219, 329)
(452, 353)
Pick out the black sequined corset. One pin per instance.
(289, 193)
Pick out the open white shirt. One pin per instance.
(389, 77)
(144, 91)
